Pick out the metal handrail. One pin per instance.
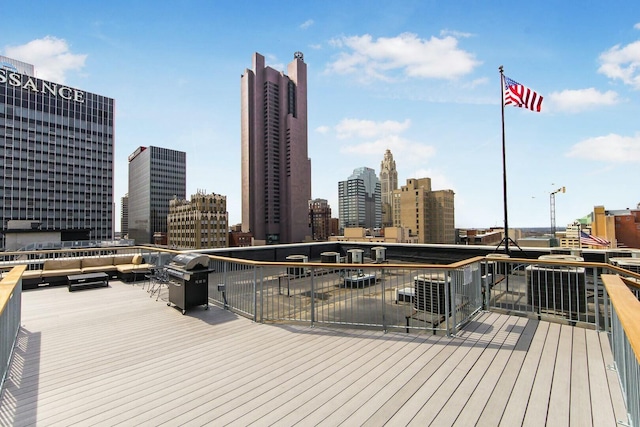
(10, 316)
(625, 341)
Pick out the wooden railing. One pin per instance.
(10, 316)
(609, 294)
(625, 338)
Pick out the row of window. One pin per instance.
(22, 106)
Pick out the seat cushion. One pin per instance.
(62, 264)
(97, 261)
(123, 259)
(99, 268)
(128, 268)
(32, 274)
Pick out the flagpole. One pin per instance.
(504, 166)
(580, 238)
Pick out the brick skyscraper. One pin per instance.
(276, 170)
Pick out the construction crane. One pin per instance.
(552, 205)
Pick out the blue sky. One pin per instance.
(417, 77)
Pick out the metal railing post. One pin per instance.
(255, 295)
(454, 278)
(224, 282)
(607, 310)
(384, 318)
(447, 303)
(596, 299)
(313, 298)
(10, 319)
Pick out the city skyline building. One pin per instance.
(359, 203)
(388, 183)
(275, 168)
(427, 214)
(320, 219)
(627, 227)
(56, 155)
(199, 223)
(13, 65)
(124, 215)
(156, 176)
(443, 228)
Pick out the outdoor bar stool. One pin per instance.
(158, 279)
(150, 277)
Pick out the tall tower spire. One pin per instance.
(388, 183)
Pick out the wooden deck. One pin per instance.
(114, 356)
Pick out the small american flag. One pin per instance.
(588, 239)
(521, 96)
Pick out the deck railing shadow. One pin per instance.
(386, 296)
(23, 375)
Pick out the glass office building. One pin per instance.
(156, 176)
(56, 154)
(359, 202)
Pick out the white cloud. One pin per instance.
(377, 59)
(409, 153)
(637, 26)
(622, 62)
(50, 56)
(323, 129)
(306, 24)
(349, 128)
(454, 33)
(474, 83)
(611, 148)
(368, 139)
(581, 99)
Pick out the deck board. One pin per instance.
(559, 401)
(113, 355)
(580, 380)
(500, 375)
(539, 398)
(394, 399)
(601, 407)
(343, 393)
(486, 369)
(519, 394)
(429, 413)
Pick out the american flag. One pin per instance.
(588, 239)
(521, 96)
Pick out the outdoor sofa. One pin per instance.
(55, 271)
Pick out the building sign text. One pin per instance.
(40, 86)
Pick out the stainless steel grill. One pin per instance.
(188, 276)
(189, 261)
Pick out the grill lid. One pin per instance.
(189, 261)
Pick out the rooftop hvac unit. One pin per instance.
(430, 293)
(330, 257)
(622, 253)
(496, 267)
(354, 256)
(297, 271)
(556, 289)
(566, 251)
(379, 253)
(561, 257)
(628, 263)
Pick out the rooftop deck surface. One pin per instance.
(115, 356)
